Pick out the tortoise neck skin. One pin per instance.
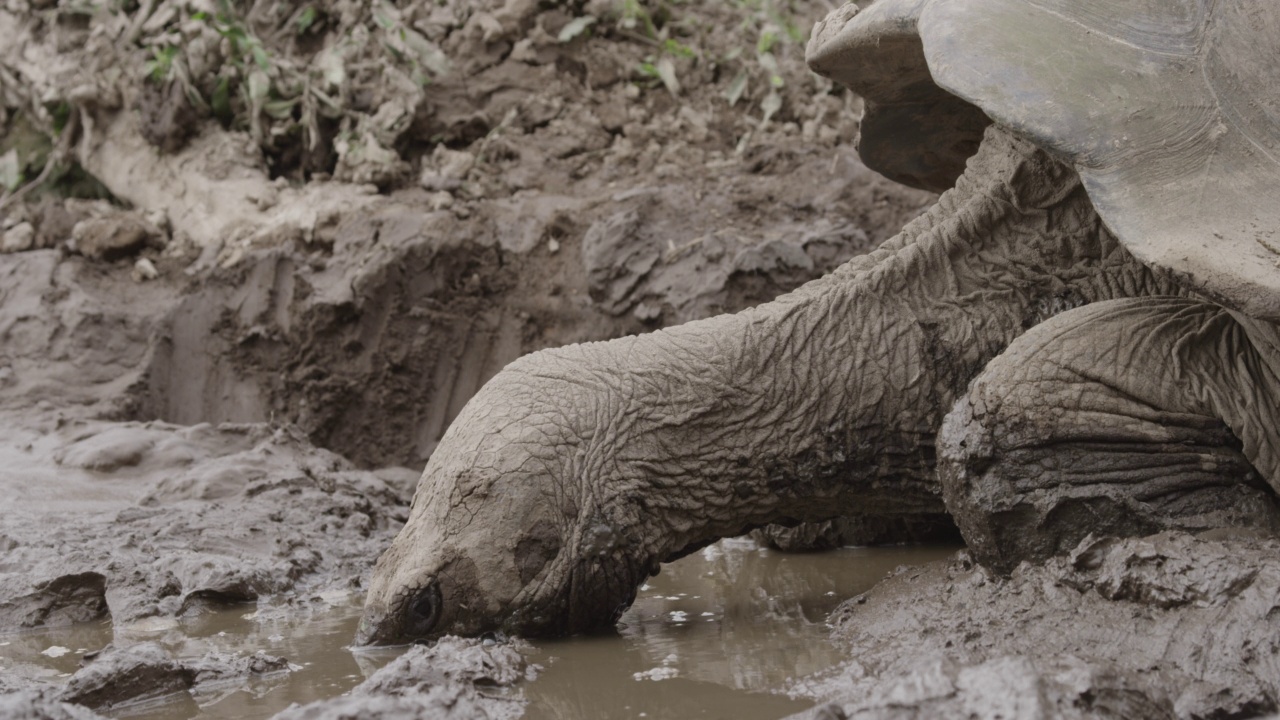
(576, 471)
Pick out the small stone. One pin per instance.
(447, 169)
(524, 51)
(432, 180)
(454, 163)
(112, 237)
(647, 312)
(440, 200)
(19, 238)
(144, 270)
(553, 246)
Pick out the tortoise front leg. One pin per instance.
(1122, 418)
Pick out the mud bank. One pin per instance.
(372, 337)
(1166, 626)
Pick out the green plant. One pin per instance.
(306, 19)
(773, 26)
(160, 66)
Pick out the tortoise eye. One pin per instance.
(423, 612)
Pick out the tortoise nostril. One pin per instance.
(367, 630)
(423, 612)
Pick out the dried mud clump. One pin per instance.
(118, 677)
(42, 705)
(1166, 626)
(61, 600)
(452, 679)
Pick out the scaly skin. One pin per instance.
(576, 471)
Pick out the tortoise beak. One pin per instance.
(374, 626)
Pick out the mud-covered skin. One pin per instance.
(1119, 418)
(565, 481)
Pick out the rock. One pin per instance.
(615, 261)
(113, 237)
(40, 705)
(19, 238)
(52, 602)
(451, 659)
(144, 269)
(452, 679)
(121, 676)
(446, 169)
(440, 200)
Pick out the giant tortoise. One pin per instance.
(1079, 337)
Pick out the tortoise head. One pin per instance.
(505, 533)
(477, 555)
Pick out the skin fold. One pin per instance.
(576, 471)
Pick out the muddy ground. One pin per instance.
(256, 257)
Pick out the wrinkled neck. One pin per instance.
(826, 401)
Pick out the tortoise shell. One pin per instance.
(1168, 109)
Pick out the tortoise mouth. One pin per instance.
(922, 144)
(912, 131)
(368, 631)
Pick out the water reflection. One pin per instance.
(716, 634)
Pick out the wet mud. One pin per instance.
(454, 678)
(1165, 626)
(725, 631)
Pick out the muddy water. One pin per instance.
(717, 634)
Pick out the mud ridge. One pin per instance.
(1165, 626)
(453, 678)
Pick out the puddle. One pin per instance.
(716, 634)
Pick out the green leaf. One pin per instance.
(61, 115)
(10, 170)
(306, 19)
(675, 48)
(280, 109)
(429, 55)
(793, 31)
(770, 65)
(575, 27)
(259, 86)
(261, 58)
(667, 74)
(221, 100)
(766, 42)
(161, 64)
(770, 106)
(736, 88)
